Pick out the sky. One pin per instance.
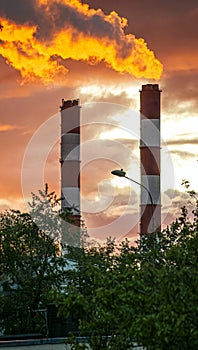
(100, 52)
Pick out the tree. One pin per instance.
(31, 265)
(60, 224)
(32, 261)
(145, 294)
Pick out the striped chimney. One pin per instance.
(150, 158)
(70, 157)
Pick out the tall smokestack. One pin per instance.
(70, 157)
(150, 158)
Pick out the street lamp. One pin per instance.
(122, 173)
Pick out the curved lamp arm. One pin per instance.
(122, 173)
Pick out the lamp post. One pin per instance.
(122, 173)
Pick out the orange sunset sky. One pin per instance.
(100, 52)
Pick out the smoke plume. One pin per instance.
(38, 37)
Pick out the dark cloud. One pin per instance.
(144, 8)
(63, 16)
(20, 11)
(152, 16)
(179, 88)
(53, 16)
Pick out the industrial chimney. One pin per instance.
(70, 157)
(150, 158)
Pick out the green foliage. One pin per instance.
(121, 294)
(32, 263)
(60, 224)
(145, 294)
(30, 267)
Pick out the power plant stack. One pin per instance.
(70, 157)
(150, 158)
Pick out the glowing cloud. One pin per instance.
(67, 29)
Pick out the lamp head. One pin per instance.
(120, 173)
